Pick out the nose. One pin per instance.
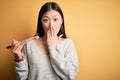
(51, 24)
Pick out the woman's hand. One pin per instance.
(16, 49)
(52, 37)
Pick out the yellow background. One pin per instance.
(94, 26)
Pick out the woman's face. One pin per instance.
(52, 19)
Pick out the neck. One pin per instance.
(45, 37)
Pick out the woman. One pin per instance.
(53, 55)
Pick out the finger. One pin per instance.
(17, 50)
(48, 34)
(55, 34)
(18, 47)
(14, 47)
(18, 44)
(52, 32)
(13, 44)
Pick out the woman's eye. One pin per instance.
(45, 20)
(55, 19)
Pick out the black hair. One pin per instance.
(46, 7)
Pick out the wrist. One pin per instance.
(18, 59)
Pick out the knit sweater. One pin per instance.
(60, 64)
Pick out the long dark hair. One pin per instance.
(46, 7)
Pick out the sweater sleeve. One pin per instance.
(22, 67)
(64, 61)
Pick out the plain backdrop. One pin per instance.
(93, 25)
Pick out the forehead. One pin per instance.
(51, 13)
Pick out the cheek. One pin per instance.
(57, 28)
(45, 26)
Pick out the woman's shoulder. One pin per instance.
(66, 41)
(31, 42)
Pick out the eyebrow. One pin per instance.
(48, 17)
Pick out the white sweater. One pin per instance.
(61, 64)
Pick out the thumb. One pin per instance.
(60, 36)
